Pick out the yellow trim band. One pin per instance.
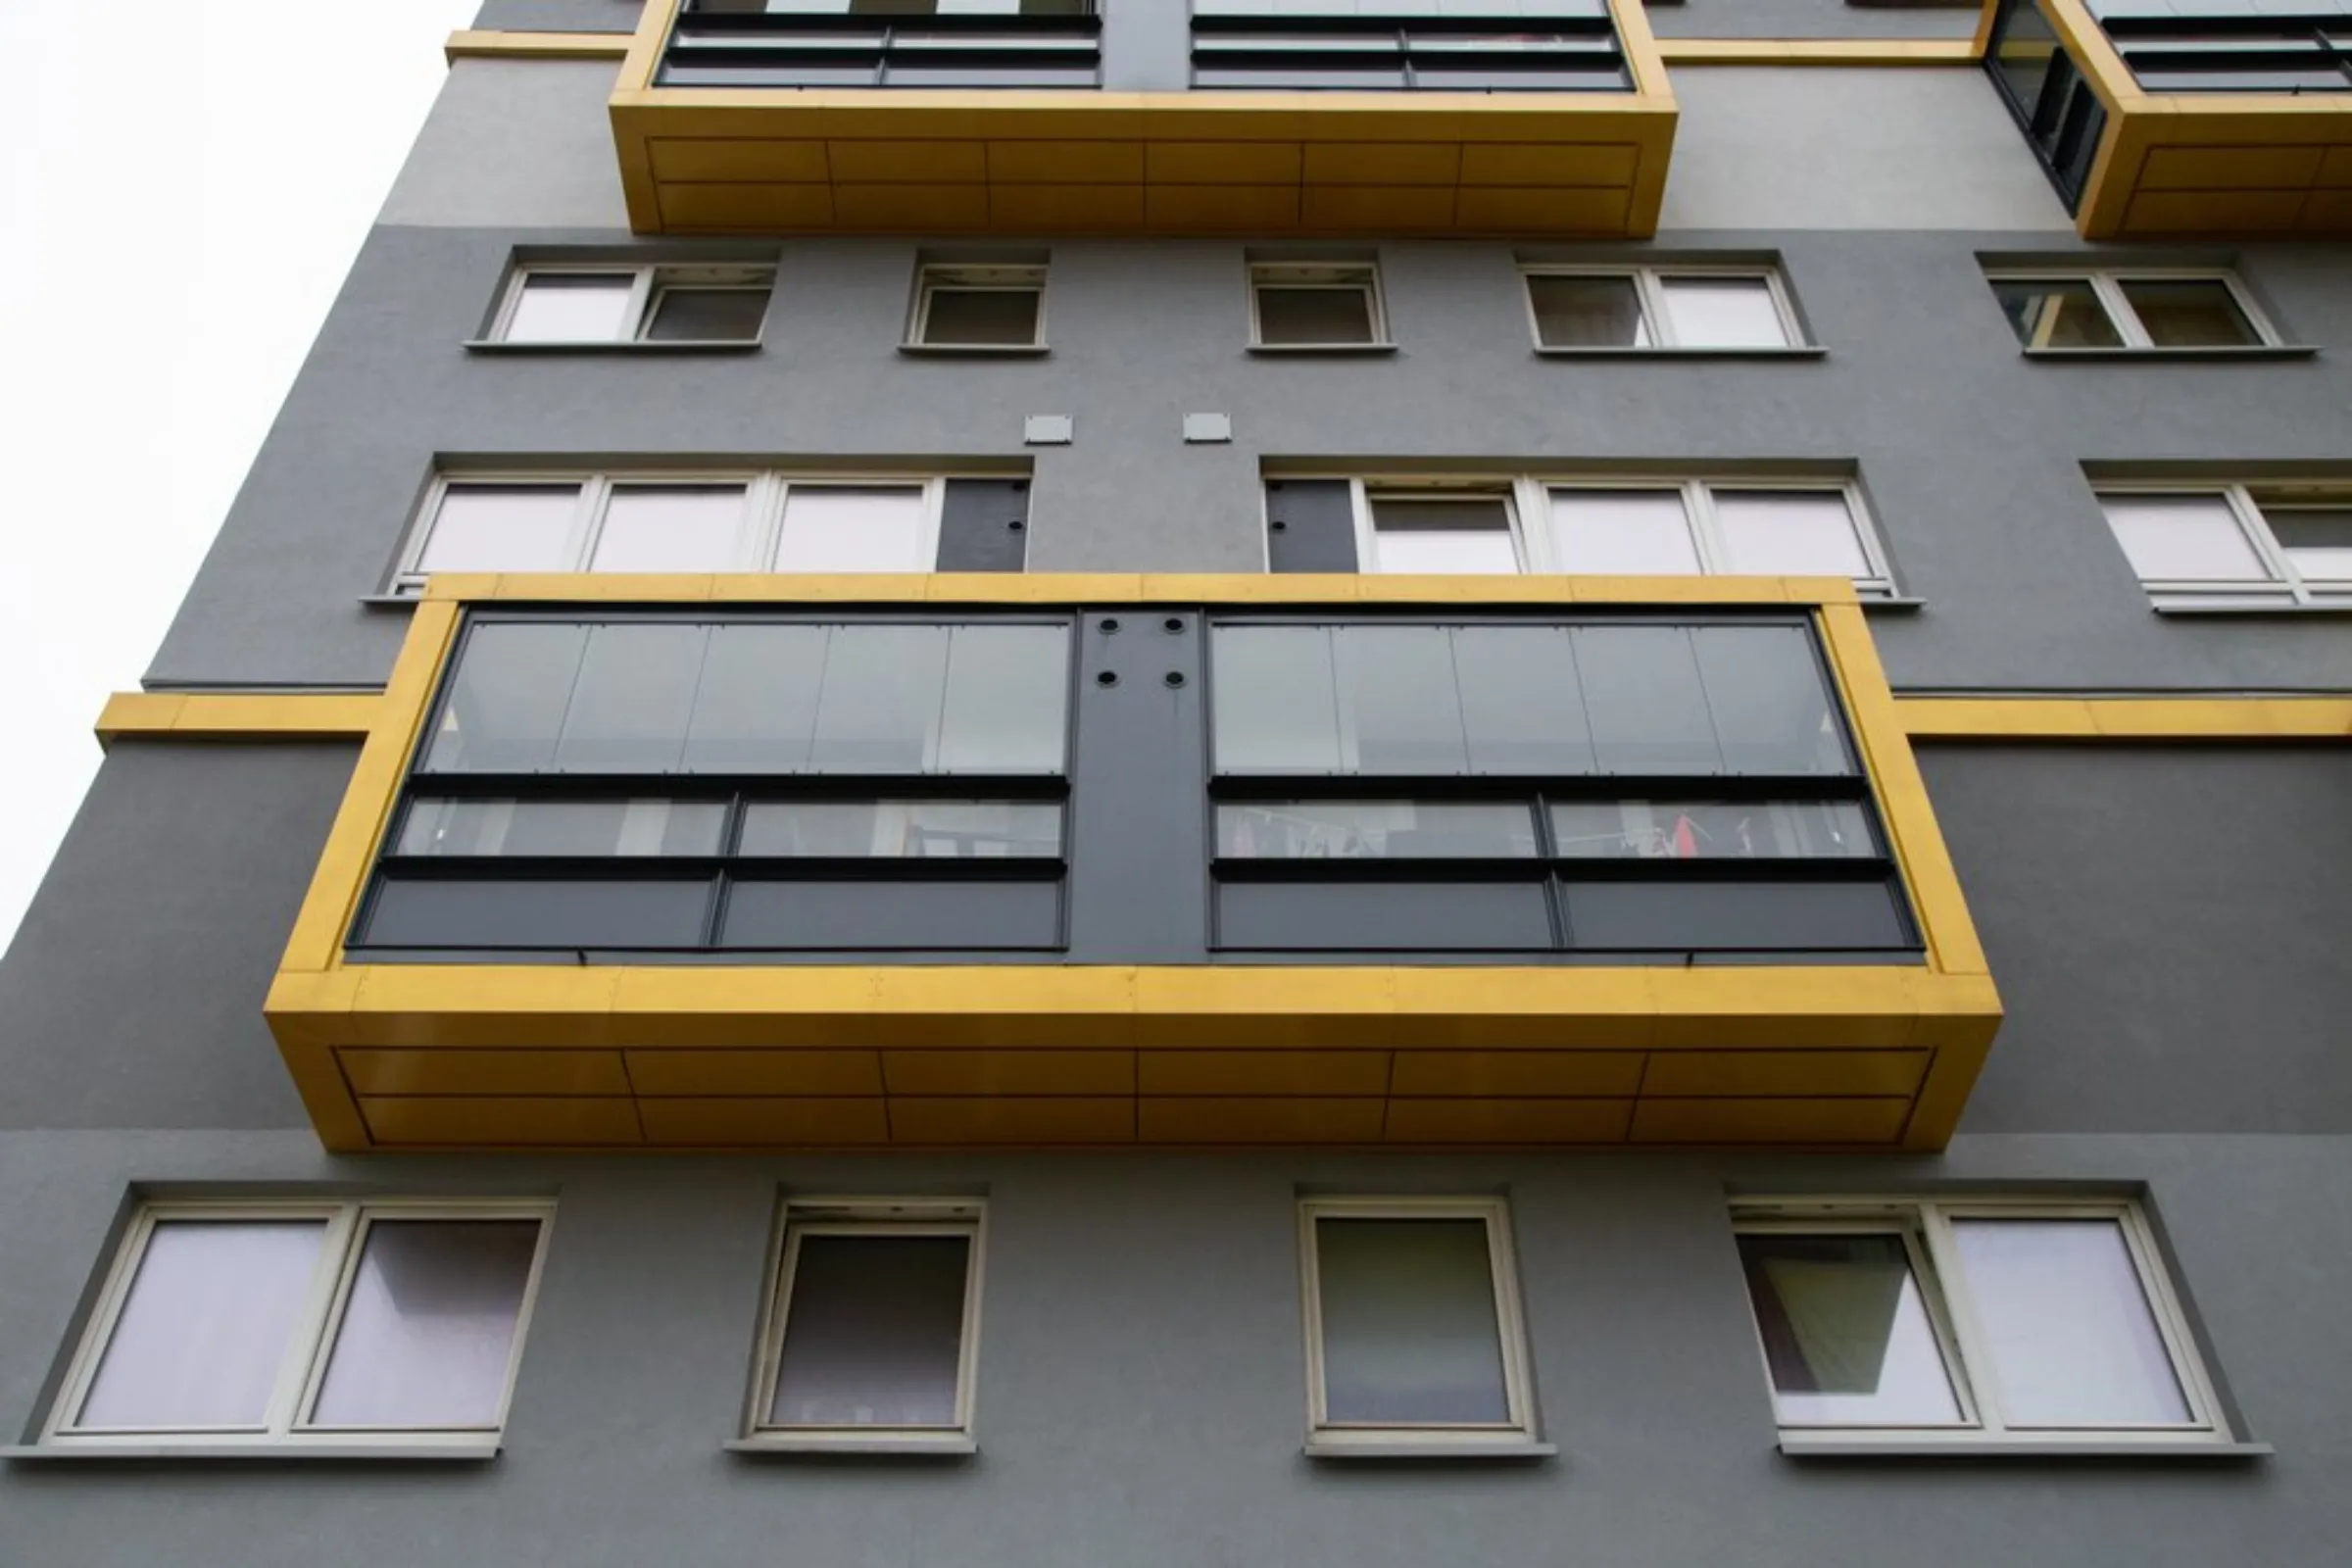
(1819, 51)
(239, 717)
(1085, 588)
(471, 43)
(2126, 718)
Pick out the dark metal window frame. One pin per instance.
(2067, 121)
(1026, 50)
(2317, 40)
(1356, 43)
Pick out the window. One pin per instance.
(1413, 1332)
(2047, 94)
(2217, 46)
(869, 1328)
(995, 308)
(884, 43)
(2060, 312)
(679, 305)
(1963, 1323)
(1317, 305)
(1661, 308)
(1427, 45)
(294, 1324)
(2237, 546)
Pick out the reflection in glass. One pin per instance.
(1522, 709)
(873, 1332)
(1647, 705)
(2073, 1341)
(2317, 540)
(630, 706)
(901, 829)
(879, 708)
(1274, 700)
(981, 316)
(1723, 313)
(1410, 1336)
(566, 828)
(1767, 700)
(2189, 312)
(1007, 700)
(1398, 704)
(2056, 313)
(2186, 538)
(1373, 830)
(1790, 533)
(1626, 532)
(1306, 314)
(506, 704)
(428, 1332)
(503, 527)
(1846, 1333)
(1573, 312)
(1460, 535)
(706, 315)
(1711, 830)
(756, 705)
(572, 308)
(669, 528)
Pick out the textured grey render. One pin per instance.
(560, 15)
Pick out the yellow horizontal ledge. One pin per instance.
(2126, 718)
(239, 717)
(471, 43)
(1338, 589)
(1819, 51)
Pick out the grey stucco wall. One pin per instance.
(560, 15)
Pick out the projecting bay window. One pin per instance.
(1440, 46)
(884, 43)
(2048, 94)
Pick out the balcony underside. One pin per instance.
(2178, 168)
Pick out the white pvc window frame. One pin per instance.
(1657, 318)
(975, 278)
(311, 1342)
(649, 283)
(1529, 497)
(2286, 587)
(2107, 284)
(1925, 1227)
(758, 536)
(864, 1217)
(1518, 1429)
(1362, 276)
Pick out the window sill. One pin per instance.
(253, 1452)
(392, 601)
(910, 1447)
(974, 351)
(1805, 1447)
(1901, 602)
(1801, 351)
(2240, 350)
(1422, 1451)
(717, 345)
(1319, 350)
(2245, 607)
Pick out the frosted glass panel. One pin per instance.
(1846, 1335)
(1398, 704)
(1007, 701)
(879, 709)
(503, 527)
(206, 1327)
(1790, 533)
(1723, 313)
(572, 308)
(841, 528)
(1768, 701)
(2073, 1341)
(429, 1331)
(1648, 709)
(1275, 700)
(671, 528)
(2183, 539)
(873, 1332)
(1409, 1327)
(629, 709)
(1521, 705)
(1624, 532)
(756, 708)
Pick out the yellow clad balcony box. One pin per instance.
(743, 117)
(951, 860)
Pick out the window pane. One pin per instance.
(1275, 699)
(2316, 539)
(756, 708)
(1580, 312)
(1744, 917)
(505, 705)
(1723, 313)
(503, 527)
(1410, 1329)
(1627, 532)
(1846, 1333)
(1399, 708)
(1769, 699)
(1647, 705)
(873, 1332)
(2189, 314)
(562, 828)
(2056, 313)
(1352, 916)
(2073, 1341)
(981, 318)
(1007, 699)
(902, 829)
(1294, 315)
(1444, 537)
(1790, 533)
(428, 1332)
(1374, 830)
(207, 1326)
(843, 528)
(671, 528)
(562, 913)
(879, 709)
(706, 315)
(1711, 830)
(1521, 705)
(629, 710)
(2183, 539)
(892, 915)
(572, 308)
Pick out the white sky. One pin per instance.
(184, 184)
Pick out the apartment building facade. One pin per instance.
(1265, 783)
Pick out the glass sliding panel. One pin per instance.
(1646, 702)
(671, 528)
(981, 318)
(572, 308)
(1374, 830)
(707, 316)
(1769, 700)
(901, 829)
(1443, 537)
(635, 695)
(1630, 533)
(2198, 313)
(1846, 1333)
(1409, 1324)
(2056, 313)
(1294, 315)
(505, 707)
(2316, 540)
(879, 709)
(2074, 1343)
(755, 708)
(1400, 711)
(206, 1327)
(503, 527)
(2183, 539)
(566, 828)
(1712, 830)
(1588, 313)
(873, 1332)
(1790, 533)
(547, 912)
(429, 1331)
(1275, 699)
(1723, 313)
(1007, 699)
(1522, 709)
(852, 528)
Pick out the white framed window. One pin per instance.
(1317, 305)
(2061, 310)
(1971, 1322)
(1414, 1336)
(978, 307)
(869, 1332)
(1622, 527)
(673, 521)
(623, 304)
(306, 1324)
(2237, 546)
(1694, 306)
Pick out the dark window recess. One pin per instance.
(885, 43)
(1459, 46)
(2048, 94)
(1311, 525)
(2296, 49)
(983, 525)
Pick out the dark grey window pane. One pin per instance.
(1733, 917)
(1410, 1332)
(1294, 76)
(1599, 76)
(1711, 830)
(2024, 53)
(505, 707)
(1275, 699)
(978, 74)
(708, 314)
(1382, 917)
(1772, 708)
(981, 316)
(896, 829)
(636, 827)
(1846, 1331)
(756, 708)
(1307, 314)
(1398, 701)
(2317, 540)
(537, 914)
(1646, 699)
(878, 916)
(2056, 313)
(1007, 699)
(1588, 313)
(630, 707)
(873, 1332)
(1371, 830)
(2198, 314)
(1522, 709)
(879, 711)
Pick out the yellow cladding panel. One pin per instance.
(487, 1122)
(2325, 211)
(1066, 163)
(741, 208)
(908, 163)
(1086, 209)
(1221, 209)
(1507, 1075)
(1737, 1073)
(1222, 162)
(910, 206)
(960, 1122)
(1376, 209)
(1508, 164)
(2211, 212)
(483, 44)
(1259, 1121)
(732, 1123)
(739, 161)
(1263, 1072)
(1383, 163)
(1010, 1072)
(2201, 168)
(2336, 168)
(670, 1072)
(214, 715)
(484, 1072)
(1508, 1121)
(1770, 1121)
